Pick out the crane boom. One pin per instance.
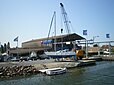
(53, 20)
(54, 15)
(65, 18)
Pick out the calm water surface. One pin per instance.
(100, 74)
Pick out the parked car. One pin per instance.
(33, 58)
(3, 58)
(15, 59)
(43, 56)
(24, 58)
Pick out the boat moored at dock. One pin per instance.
(61, 53)
(53, 71)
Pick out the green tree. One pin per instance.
(8, 45)
(95, 45)
(2, 49)
(5, 47)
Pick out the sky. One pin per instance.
(30, 19)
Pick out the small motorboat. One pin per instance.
(53, 71)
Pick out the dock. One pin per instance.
(105, 57)
(31, 67)
(86, 63)
(108, 58)
(96, 58)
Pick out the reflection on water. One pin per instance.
(100, 74)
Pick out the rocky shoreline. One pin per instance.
(13, 71)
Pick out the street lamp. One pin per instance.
(94, 38)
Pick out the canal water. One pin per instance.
(100, 74)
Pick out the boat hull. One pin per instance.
(54, 71)
(60, 54)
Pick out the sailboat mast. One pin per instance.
(55, 31)
(53, 18)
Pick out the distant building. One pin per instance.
(40, 45)
(66, 40)
(105, 47)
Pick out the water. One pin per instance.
(100, 74)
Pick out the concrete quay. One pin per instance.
(96, 58)
(108, 58)
(105, 57)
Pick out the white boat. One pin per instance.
(54, 71)
(61, 53)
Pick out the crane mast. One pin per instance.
(65, 18)
(53, 20)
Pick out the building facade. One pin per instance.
(61, 42)
(47, 44)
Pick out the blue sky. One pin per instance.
(30, 19)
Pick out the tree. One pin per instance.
(95, 45)
(5, 47)
(8, 45)
(2, 49)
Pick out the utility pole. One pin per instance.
(94, 38)
(86, 47)
(16, 40)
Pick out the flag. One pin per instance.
(16, 39)
(107, 35)
(84, 32)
